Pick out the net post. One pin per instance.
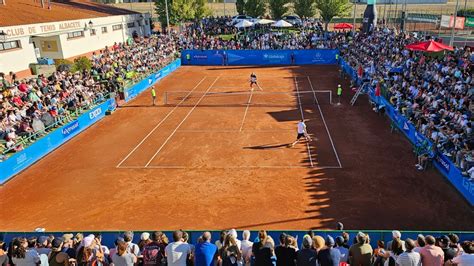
(165, 98)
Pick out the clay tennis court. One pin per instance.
(212, 155)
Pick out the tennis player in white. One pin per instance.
(301, 133)
(253, 80)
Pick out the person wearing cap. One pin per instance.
(57, 257)
(329, 256)
(431, 254)
(343, 250)
(306, 256)
(360, 253)
(409, 257)
(42, 245)
(395, 235)
(68, 245)
(449, 252)
(339, 93)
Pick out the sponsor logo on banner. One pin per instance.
(448, 22)
(405, 126)
(150, 81)
(95, 113)
(21, 159)
(197, 56)
(274, 56)
(443, 162)
(468, 185)
(70, 128)
(158, 75)
(165, 71)
(418, 137)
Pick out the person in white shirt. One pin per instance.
(131, 247)
(301, 133)
(466, 258)
(177, 252)
(233, 233)
(246, 247)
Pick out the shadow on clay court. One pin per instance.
(268, 146)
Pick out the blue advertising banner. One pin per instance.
(136, 89)
(258, 57)
(22, 159)
(440, 161)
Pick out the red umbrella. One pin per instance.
(343, 26)
(429, 46)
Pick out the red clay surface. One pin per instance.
(217, 162)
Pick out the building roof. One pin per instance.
(21, 12)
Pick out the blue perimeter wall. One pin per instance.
(259, 57)
(40, 148)
(440, 161)
(108, 238)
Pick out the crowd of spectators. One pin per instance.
(156, 249)
(28, 107)
(434, 91)
(219, 33)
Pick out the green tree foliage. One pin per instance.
(278, 8)
(332, 8)
(179, 11)
(240, 6)
(255, 8)
(81, 63)
(305, 8)
(201, 9)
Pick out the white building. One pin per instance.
(21, 45)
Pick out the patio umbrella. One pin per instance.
(428, 46)
(244, 24)
(264, 21)
(282, 24)
(343, 26)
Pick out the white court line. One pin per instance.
(233, 130)
(161, 122)
(182, 121)
(302, 116)
(229, 167)
(324, 122)
(246, 110)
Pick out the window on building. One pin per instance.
(75, 34)
(104, 30)
(131, 25)
(10, 45)
(93, 32)
(117, 27)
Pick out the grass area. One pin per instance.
(226, 37)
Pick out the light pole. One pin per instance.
(167, 18)
(354, 20)
(451, 41)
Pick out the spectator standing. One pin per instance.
(466, 258)
(360, 253)
(57, 257)
(449, 252)
(178, 251)
(431, 254)
(329, 256)
(395, 251)
(396, 235)
(233, 232)
(205, 251)
(340, 246)
(220, 241)
(123, 257)
(420, 243)
(246, 246)
(22, 256)
(306, 256)
(3, 254)
(229, 254)
(285, 254)
(263, 250)
(144, 240)
(131, 247)
(154, 252)
(409, 257)
(379, 254)
(68, 245)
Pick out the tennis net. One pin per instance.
(244, 98)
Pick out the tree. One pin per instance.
(255, 8)
(331, 8)
(240, 5)
(305, 8)
(278, 8)
(178, 11)
(201, 9)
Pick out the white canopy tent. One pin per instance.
(282, 24)
(244, 24)
(264, 21)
